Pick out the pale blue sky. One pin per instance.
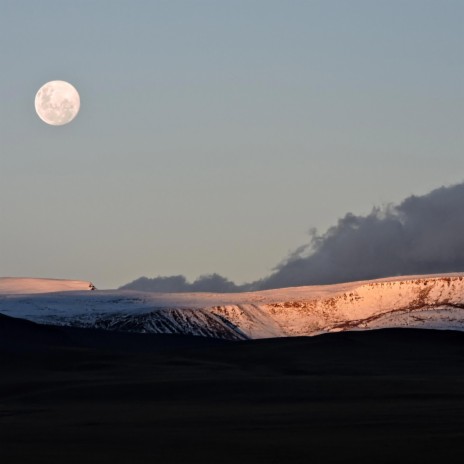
(213, 134)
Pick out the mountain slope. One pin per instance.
(415, 301)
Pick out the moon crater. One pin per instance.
(57, 103)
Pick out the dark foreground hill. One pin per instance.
(85, 396)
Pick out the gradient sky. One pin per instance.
(213, 134)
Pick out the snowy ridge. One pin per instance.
(435, 301)
(28, 285)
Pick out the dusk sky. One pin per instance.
(213, 135)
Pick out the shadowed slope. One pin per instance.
(22, 336)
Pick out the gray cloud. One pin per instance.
(423, 234)
(206, 283)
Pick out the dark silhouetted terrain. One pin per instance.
(86, 396)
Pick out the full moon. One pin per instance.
(57, 103)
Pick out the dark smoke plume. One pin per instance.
(422, 235)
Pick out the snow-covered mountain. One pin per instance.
(28, 285)
(435, 301)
